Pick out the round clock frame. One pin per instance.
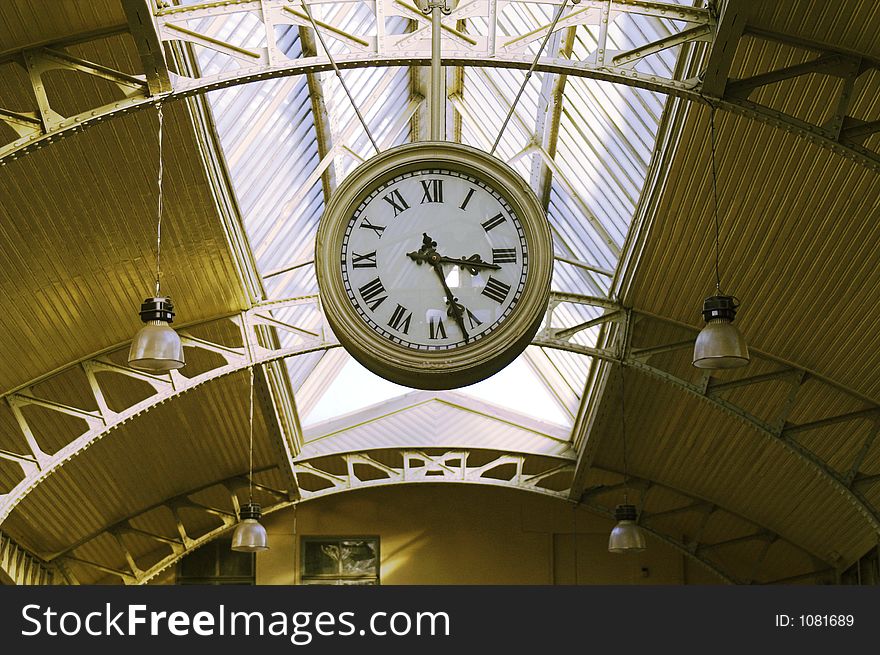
(443, 368)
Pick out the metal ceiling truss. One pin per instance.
(615, 320)
(363, 470)
(178, 546)
(694, 545)
(19, 567)
(617, 348)
(256, 350)
(41, 124)
(413, 466)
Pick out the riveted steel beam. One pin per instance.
(617, 349)
(413, 49)
(696, 504)
(310, 336)
(19, 567)
(416, 466)
(142, 26)
(298, 339)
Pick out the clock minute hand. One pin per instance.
(429, 255)
(454, 307)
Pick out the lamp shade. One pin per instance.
(156, 348)
(720, 345)
(627, 536)
(250, 535)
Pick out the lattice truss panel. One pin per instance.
(732, 547)
(471, 37)
(55, 419)
(830, 430)
(138, 548)
(146, 544)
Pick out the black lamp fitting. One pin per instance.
(719, 307)
(157, 309)
(250, 511)
(625, 513)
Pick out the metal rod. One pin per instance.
(159, 208)
(715, 201)
(251, 437)
(339, 75)
(529, 74)
(438, 81)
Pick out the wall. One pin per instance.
(460, 534)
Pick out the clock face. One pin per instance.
(434, 259)
(434, 262)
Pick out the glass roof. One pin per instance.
(515, 387)
(289, 141)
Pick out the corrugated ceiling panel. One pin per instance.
(800, 238)
(28, 23)
(681, 442)
(852, 25)
(77, 231)
(199, 438)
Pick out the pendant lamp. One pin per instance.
(250, 535)
(719, 345)
(156, 348)
(627, 536)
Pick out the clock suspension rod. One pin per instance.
(530, 71)
(357, 111)
(438, 73)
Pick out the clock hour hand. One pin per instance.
(472, 263)
(426, 253)
(429, 255)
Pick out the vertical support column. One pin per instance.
(438, 73)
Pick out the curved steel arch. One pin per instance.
(843, 135)
(37, 466)
(779, 431)
(19, 567)
(456, 474)
(708, 507)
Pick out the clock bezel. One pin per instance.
(444, 369)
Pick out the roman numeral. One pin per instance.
(396, 200)
(370, 292)
(493, 222)
(496, 290)
(378, 229)
(467, 199)
(400, 319)
(436, 329)
(433, 191)
(503, 255)
(363, 261)
(473, 320)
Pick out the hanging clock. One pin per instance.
(434, 263)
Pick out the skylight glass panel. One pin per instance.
(516, 387)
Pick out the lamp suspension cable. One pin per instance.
(357, 111)
(715, 199)
(159, 209)
(623, 434)
(525, 82)
(251, 439)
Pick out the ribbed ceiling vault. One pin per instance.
(800, 242)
